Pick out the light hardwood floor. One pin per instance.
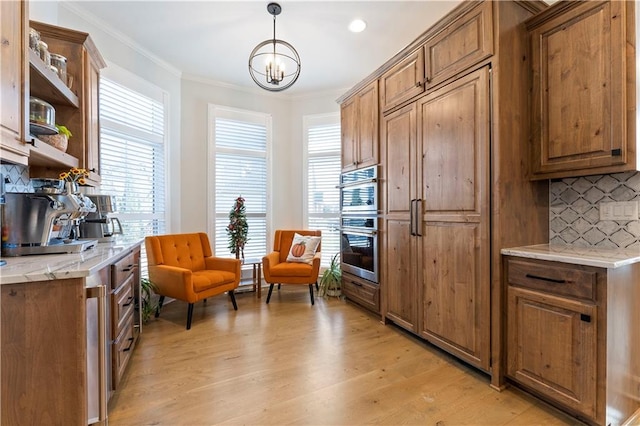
(291, 363)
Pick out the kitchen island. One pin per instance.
(572, 328)
(68, 328)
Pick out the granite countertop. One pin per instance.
(62, 266)
(589, 256)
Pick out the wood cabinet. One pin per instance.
(583, 89)
(359, 127)
(454, 185)
(565, 332)
(76, 107)
(125, 320)
(464, 42)
(458, 43)
(13, 79)
(453, 218)
(362, 292)
(402, 82)
(400, 246)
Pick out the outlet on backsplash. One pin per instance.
(622, 210)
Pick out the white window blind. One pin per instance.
(322, 135)
(239, 149)
(132, 157)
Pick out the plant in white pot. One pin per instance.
(331, 279)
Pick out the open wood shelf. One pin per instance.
(45, 84)
(43, 154)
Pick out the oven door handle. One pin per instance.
(359, 231)
(358, 182)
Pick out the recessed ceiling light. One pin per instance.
(357, 26)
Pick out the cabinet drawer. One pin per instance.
(121, 351)
(361, 292)
(122, 304)
(551, 277)
(123, 269)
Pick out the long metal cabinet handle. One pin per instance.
(418, 213)
(100, 292)
(552, 280)
(411, 223)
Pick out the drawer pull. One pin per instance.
(128, 348)
(585, 318)
(553, 280)
(127, 268)
(129, 301)
(356, 284)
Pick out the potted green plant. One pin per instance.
(146, 304)
(238, 228)
(331, 279)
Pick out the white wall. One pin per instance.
(189, 99)
(286, 209)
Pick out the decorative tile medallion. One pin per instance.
(574, 211)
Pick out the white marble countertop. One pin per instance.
(62, 266)
(589, 256)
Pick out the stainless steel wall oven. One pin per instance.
(359, 223)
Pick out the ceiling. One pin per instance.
(212, 40)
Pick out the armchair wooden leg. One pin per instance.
(189, 316)
(233, 299)
(317, 286)
(311, 293)
(269, 295)
(279, 285)
(160, 302)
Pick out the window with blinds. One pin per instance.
(322, 197)
(239, 147)
(132, 156)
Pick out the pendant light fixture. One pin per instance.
(274, 64)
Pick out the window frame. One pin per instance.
(255, 117)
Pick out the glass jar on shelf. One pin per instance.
(44, 53)
(60, 62)
(34, 40)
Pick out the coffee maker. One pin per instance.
(45, 221)
(99, 224)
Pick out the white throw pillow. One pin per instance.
(303, 248)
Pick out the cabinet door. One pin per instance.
(368, 126)
(403, 81)
(92, 160)
(12, 80)
(454, 140)
(400, 284)
(551, 347)
(462, 44)
(349, 131)
(579, 88)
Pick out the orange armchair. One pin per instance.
(182, 267)
(277, 270)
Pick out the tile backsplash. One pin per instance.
(574, 211)
(16, 178)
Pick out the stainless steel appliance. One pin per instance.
(99, 224)
(359, 246)
(44, 222)
(359, 191)
(359, 223)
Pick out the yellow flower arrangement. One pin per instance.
(75, 175)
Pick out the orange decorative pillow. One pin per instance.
(303, 248)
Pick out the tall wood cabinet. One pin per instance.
(454, 180)
(583, 89)
(359, 124)
(13, 78)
